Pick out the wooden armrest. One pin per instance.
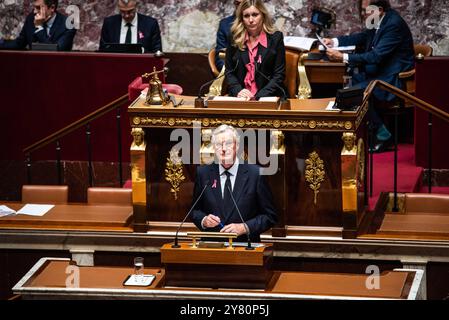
(407, 74)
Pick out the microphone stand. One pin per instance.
(176, 245)
(248, 247)
(199, 100)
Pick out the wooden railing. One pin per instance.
(432, 110)
(406, 96)
(83, 122)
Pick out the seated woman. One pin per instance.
(255, 60)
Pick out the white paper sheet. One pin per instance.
(6, 211)
(227, 98)
(140, 281)
(269, 99)
(302, 43)
(342, 49)
(330, 106)
(37, 210)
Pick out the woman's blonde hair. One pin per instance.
(238, 28)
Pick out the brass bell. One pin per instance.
(155, 94)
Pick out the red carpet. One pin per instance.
(409, 176)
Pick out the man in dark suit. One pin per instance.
(215, 211)
(223, 35)
(388, 50)
(131, 27)
(44, 25)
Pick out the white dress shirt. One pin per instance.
(233, 171)
(49, 25)
(124, 30)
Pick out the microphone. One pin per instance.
(176, 245)
(199, 101)
(248, 247)
(284, 95)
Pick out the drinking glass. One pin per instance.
(138, 268)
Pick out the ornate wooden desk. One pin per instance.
(53, 278)
(319, 186)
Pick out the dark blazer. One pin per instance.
(223, 36)
(252, 195)
(272, 66)
(59, 34)
(148, 26)
(388, 52)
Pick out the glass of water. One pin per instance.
(138, 268)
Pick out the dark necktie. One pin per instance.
(227, 194)
(128, 33)
(45, 26)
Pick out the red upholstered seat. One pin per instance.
(136, 87)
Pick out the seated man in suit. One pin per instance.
(131, 27)
(44, 25)
(223, 35)
(388, 50)
(215, 211)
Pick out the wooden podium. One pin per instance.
(318, 189)
(225, 267)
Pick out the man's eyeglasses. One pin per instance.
(224, 145)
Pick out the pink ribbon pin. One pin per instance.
(215, 184)
(141, 36)
(259, 59)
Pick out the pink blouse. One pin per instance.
(250, 80)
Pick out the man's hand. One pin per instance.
(334, 55)
(40, 17)
(245, 93)
(211, 221)
(328, 42)
(238, 228)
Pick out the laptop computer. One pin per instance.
(123, 48)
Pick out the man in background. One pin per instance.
(131, 27)
(223, 35)
(43, 25)
(388, 51)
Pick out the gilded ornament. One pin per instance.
(314, 173)
(173, 171)
(205, 122)
(312, 124)
(361, 160)
(136, 120)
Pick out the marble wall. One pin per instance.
(190, 25)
